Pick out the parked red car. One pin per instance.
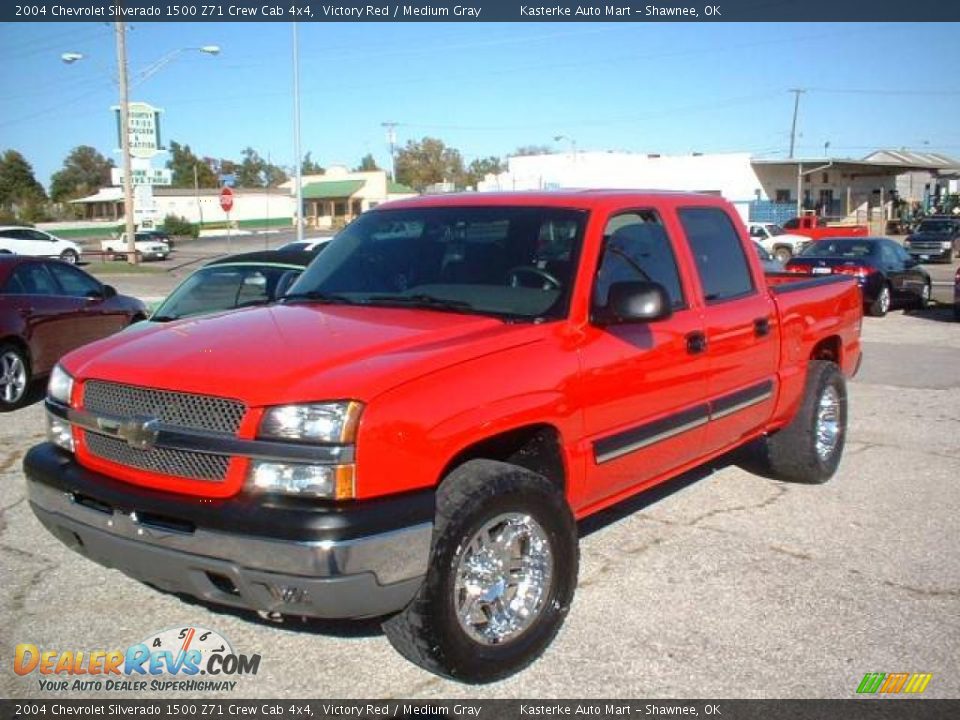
(817, 228)
(47, 309)
(415, 425)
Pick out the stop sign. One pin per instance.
(226, 199)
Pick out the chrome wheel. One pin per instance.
(884, 299)
(503, 577)
(925, 295)
(828, 423)
(13, 377)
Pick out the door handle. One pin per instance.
(761, 326)
(696, 342)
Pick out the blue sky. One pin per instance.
(487, 88)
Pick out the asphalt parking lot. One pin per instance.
(721, 584)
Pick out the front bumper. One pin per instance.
(334, 564)
(931, 253)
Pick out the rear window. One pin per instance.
(841, 249)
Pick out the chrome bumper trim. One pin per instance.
(391, 556)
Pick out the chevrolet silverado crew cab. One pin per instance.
(414, 429)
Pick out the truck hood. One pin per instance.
(296, 353)
(930, 237)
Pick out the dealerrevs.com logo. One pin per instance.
(187, 659)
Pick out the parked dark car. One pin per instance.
(233, 281)
(47, 309)
(956, 296)
(936, 238)
(884, 270)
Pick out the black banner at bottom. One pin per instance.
(873, 709)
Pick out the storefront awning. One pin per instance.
(331, 189)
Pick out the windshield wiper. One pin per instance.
(421, 300)
(320, 297)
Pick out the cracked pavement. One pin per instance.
(722, 583)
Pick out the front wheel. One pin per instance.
(924, 299)
(502, 573)
(70, 256)
(14, 377)
(808, 450)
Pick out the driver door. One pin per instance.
(643, 385)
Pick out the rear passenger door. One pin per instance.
(740, 328)
(641, 388)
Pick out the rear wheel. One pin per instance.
(808, 450)
(782, 253)
(881, 304)
(14, 376)
(502, 572)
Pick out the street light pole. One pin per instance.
(297, 169)
(121, 31)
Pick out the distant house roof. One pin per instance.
(934, 161)
(331, 189)
(107, 194)
(400, 188)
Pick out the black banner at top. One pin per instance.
(482, 11)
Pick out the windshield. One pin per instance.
(223, 287)
(775, 230)
(516, 262)
(940, 227)
(841, 249)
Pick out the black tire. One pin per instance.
(12, 357)
(792, 452)
(923, 300)
(956, 312)
(880, 306)
(70, 256)
(427, 632)
(782, 253)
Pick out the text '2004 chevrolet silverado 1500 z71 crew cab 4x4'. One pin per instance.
(415, 428)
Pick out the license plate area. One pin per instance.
(821, 271)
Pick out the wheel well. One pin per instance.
(21, 345)
(534, 447)
(827, 349)
(783, 246)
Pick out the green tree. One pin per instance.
(367, 164)
(254, 171)
(428, 161)
(481, 167)
(84, 172)
(533, 150)
(20, 193)
(310, 167)
(183, 163)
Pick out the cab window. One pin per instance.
(636, 248)
(721, 262)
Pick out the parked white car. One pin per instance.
(777, 241)
(146, 244)
(30, 241)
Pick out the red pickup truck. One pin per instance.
(416, 427)
(817, 228)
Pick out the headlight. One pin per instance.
(335, 482)
(60, 385)
(946, 244)
(59, 432)
(318, 422)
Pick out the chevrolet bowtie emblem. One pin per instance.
(140, 433)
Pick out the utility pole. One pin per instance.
(392, 140)
(298, 159)
(797, 92)
(121, 31)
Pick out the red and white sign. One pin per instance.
(226, 199)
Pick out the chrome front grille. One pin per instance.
(197, 412)
(180, 463)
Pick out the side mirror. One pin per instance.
(911, 262)
(109, 291)
(635, 301)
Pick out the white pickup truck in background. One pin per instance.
(146, 244)
(777, 241)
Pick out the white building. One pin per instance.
(338, 195)
(832, 186)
